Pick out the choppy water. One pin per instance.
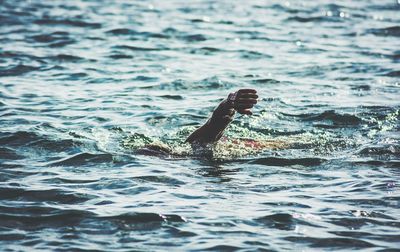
(83, 84)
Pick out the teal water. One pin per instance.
(84, 85)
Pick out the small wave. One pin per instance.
(365, 235)
(120, 56)
(135, 48)
(248, 54)
(17, 70)
(53, 195)
(388, 31)
(160, 179)
(212, 82)
(390, 150)
(253, 35)
(286, 204)
(265, 81)
(7, 20)
(67, 22)
(395, 56)
(122, 31)
(211, 49)
(273, 161)
(330, 115)
(137, 218)
(316, 19)
(206, 50)
(180, 233)
(392, 163)
(36, 141)
(145, 78)
(194, 38)
(361, 87)
(393, 74)
(130, 32)
(51, 37)
(360, 221)
(66, 58)
(36, 218)
(84, 158)
(222, 248)
(18, 138)
(8, 153)
(279, 221)
(172, 97)
(331, 242)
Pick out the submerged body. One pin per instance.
(209, 137)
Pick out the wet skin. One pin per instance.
(241, 101)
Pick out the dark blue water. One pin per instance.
(85, 84)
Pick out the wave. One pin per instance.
(160, 179)
(388, 31)
(194, 37)
(389, 150)
(33, 140)
(83, 158)
(67, 22)
(65, 58)
(273, 161)
(8, 153)
(393, 74)
(37, 218)
(136, 48)
(17, 70)
(338, 119)
(317, 19)
(338, 243)
(49, 196)
(134, 33)
(18, 138)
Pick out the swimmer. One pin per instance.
(241, 101)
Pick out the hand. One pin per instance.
(243, 100)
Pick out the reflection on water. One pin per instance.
(97, 98)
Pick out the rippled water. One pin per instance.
(84, 84)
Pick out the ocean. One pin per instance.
(85, 84)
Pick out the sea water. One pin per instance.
(85, 84)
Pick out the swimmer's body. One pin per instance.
(241, 101)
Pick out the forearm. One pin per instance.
(213, 129)
(241, 101)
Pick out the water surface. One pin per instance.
(83, 84)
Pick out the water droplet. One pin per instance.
(166, 70)
(298, 43)
(206, 19)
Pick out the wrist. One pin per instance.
(223, 114)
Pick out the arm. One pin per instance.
(241, 101)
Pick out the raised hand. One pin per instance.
(243, 100)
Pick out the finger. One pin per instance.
(245, 112)
(243, 106)
(248, 95)
(246, 100)
(227, 119)
(247, 90)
